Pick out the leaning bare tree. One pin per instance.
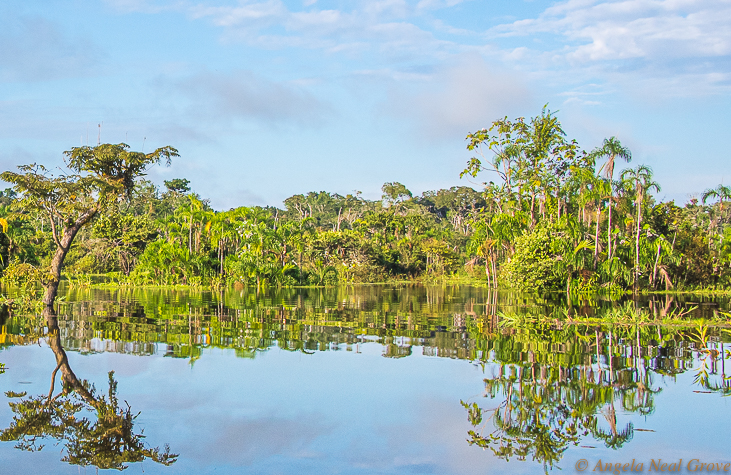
(98, 177)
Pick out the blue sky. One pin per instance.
(268, 98)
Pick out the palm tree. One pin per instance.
(641, 179)
(594, 190)
(611, 149)
(722, 193)
(223, 230)
(193, 210)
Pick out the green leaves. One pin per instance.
(106, 439)
(534, 267)
(115, 164)
(533, 159)
(611, 149)
(105, 174)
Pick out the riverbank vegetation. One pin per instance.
(549, 217)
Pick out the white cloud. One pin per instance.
(673, 46)
(436, 4)
(243, 16)
(144, 6)
(633, 28)
(398, 8)
(588, 94)
(673, 41)
(322, 24)
(440, 25)
(653, 33)
(458, 98)
(380, 26)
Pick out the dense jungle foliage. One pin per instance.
(554, 217)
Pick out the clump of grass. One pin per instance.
(627, 313)
(514, 319)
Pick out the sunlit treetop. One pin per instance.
(102, 174)
(115, 163)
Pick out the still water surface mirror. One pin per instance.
(365, 379)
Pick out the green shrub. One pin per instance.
(534, 267)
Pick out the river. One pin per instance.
(377, 379)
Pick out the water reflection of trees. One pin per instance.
(93, 428)
(711, 354)
(541, 417)
(555, 389)
(559, 382)
(447, 321)
(301, 320)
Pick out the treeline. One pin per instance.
(172, 236)
(554, 217)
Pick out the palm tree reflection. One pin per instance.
(92, 427)
(547, 408)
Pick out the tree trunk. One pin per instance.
(558, 208)
(62, 248)
(190, 235)
(68, 377)
(654, 269)
(637, 244)
(609, 231)
(596, 238)
(494, 271)
(487, 272)
(542, 206)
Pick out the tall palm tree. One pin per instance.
(594, 191)
(640, 179)
(193, 210)
(611, 149)
(223, 231)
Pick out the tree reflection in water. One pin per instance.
(547, 407)
(93, 428)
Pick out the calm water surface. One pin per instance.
(370, 379)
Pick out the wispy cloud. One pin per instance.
(667, 40)
(457, 98)
(245, 15)
(244, 96)
(588, 94)
(379, 26)
(437, 4)
(146, 6)
(656, 38)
